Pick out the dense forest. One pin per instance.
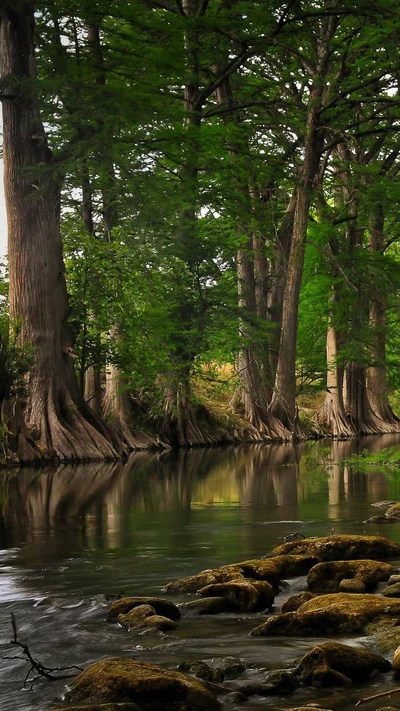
(203, 204)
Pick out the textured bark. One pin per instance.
(283, 403)
(59, 421)
(252, 375)
(185, 424)
(278, 269)
(332, 416)
(357, 405)
(376, 374)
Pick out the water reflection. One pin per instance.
(280, 480)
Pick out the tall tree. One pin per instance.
(60, 424)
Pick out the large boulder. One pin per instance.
(342, 547)
(330, 614)
(119, 680)
(326, 577)
(160, 605)
(244, 595)
(332, 664)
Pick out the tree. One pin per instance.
(59, 423)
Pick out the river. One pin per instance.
(72, 534)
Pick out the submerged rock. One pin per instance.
(327, 577)
(244, 595)
(152, 688)
(334, 664)
(208, 606)
(202, 670)
(330, 614)
(163, 607)
(342, 547)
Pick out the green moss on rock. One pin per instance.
(330, 614)
(160, 605)
(326, 577)
(152, 688)
(342, 547)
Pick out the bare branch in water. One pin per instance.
(37, 670)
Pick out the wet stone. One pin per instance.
(352, 585)
(391, 590)
(117, 679)
(335, 664)
(330, 614)
(246, 595)
(202, 670)
(163, 607)
(327, 577)
(295, 601)
(208, 606)
(342, 547)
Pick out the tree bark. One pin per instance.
(376, 374)
(60, 423)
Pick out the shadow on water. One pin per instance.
(71, 533)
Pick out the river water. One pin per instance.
(70, 535)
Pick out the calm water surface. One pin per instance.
(71, 534)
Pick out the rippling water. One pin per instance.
(72, 534)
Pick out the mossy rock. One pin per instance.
(272, 570)
(208, 606)
(326, 577)
(99, 707)
(330, 614)
(342, 547)
(163, 607)
(393, 511)
(384, 633)
(334, 664)
(144, 616)
(396, 662)
(152, 688)
(193, 583)
(246, 595)
(352, 585)
(202, 670)
(391, 590)
(295, 601)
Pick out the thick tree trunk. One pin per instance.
(283, 403)
(58, 418)
(185, 424)
(252, 376)
(357, 405)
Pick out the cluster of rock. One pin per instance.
(350, 590)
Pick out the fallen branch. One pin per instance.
(378, 696)
(35, 665)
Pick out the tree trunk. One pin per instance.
(283, 403)
(253, 384)
(376, 374)
(61, 424)
(332, 417)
